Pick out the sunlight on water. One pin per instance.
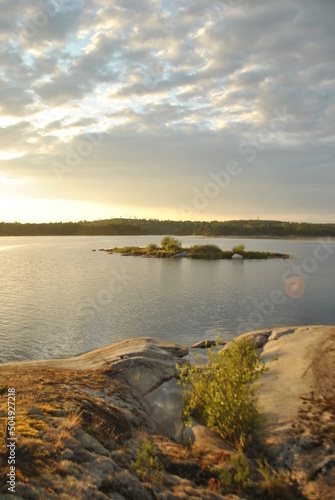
(59, 299)
(6, 247)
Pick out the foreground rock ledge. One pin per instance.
(298, 400)
(142, 363)
(79, 421)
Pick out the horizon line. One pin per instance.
(134, 219)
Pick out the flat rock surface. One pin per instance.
(289, 354)
(93, 360)
(143, 363)
(298, 400)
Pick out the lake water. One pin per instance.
(59, 299)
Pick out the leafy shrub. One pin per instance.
(223, 393)
(130, 250)
(272, 482)
(171, 244)
(162, 254)
(261, 482)
(205, 252)
(147, 465)
(239, 476)
(240, 249)
(152, 247)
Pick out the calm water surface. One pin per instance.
(59, 299)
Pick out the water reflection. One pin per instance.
(59, 299)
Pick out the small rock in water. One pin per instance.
(179, 255)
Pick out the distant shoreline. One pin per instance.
(235, 236)
(262, 229)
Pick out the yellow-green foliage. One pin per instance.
(240, 249)
(272, 482)
(239, 476)
(152, 247)
(130, 250)
(147, 464)
(211, 252)
(223, 393)
(26, 426)
(171, 244)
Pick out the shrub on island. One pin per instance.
(239, 249)
(171, 244)
(152, 248)
(211, 252)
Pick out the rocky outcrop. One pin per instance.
(297, 398)
(81, 421)
(180, 255)
(142, 363)
(73, 414)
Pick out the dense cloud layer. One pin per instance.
(137, 104)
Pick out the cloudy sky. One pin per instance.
(181, 109)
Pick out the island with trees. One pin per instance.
(172, 248)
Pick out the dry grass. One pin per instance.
(50, 407)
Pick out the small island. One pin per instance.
(172, 248)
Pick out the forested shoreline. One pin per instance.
(255, 228)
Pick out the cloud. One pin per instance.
(176, 89)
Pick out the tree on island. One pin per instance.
(171, 244)
(240, 249)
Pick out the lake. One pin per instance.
(59, 299)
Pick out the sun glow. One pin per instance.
(24, 209)
(10, 155)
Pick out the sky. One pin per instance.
(167, 109)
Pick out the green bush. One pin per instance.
(162, 254)
(147, 465)
(223, 393)
(152, 247)
(205, 252)
(272, 482)
(171, 244)
(130, 250)
(239, 476)
(261, 482)
(240, 249)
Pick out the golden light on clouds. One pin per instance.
(175, 91)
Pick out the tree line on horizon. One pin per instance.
(110, 227)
